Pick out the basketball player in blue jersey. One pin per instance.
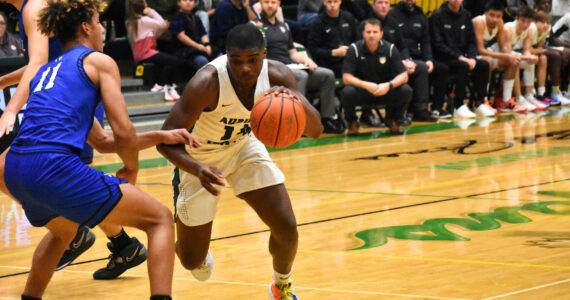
(40, 49)
(62, 192)
(216, 103)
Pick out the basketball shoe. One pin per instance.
(282, 291)
(485, 110)
(173, 93)
(82, 241)
(131, 256)
(204, 271)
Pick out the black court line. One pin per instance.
(344, 217)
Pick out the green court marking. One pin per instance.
(436, 230)
(565, 194)
(501, 159)
(307, 143)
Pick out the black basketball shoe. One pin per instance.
(130, 257)
(82, 241)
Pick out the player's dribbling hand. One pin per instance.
(208, 177)
(180, 136)
(127, 174)
(6, 122)
(279, 89)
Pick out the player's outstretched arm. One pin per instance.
(104, 73)
(280, 75)
(104, 142)
(200, 94)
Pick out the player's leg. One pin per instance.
(47, 254)
(273, 206)
(192, 246)
(137, 209)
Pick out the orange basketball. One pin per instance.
(278, 120)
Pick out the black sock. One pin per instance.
(160, 297)
(24, 297)
(120, 241)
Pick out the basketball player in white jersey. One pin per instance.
(539, 31)
(519, 41)
(216, 103)
(488, 30)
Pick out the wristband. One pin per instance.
(390, 84)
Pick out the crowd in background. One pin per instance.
(502, 55)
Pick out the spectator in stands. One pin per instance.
(518, 41)
(539, 32)
(329, 36)
(561, 38)
(373, 74)
(558, 57)
(228, 14)
(144, 25)
(453, 43)
(488, 30)
(309, 76)
(412, 26)
(293, 25)
(10, 44)
(205, 9)
(114, 17)
(192, 44)
(166, 8)
(307, 11)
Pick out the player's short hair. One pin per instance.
(541, 16)
(63, 17)
(371, 21)
(525, 12)
(495, 5)
(244, 36)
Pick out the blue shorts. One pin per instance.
(51, 181)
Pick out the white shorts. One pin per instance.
(246, 166)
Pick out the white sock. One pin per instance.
(281, 278)
(541, 90)
(508, 89)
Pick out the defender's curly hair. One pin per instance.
(62, 17)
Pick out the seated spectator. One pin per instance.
(539, 31)
(228, 14)
(488, 29)
(309, 76)
(10, 44)
(561, 31)
(192, 44)
(144, 25)
(114, 17)
(205, 9)
(411, 25)
(373, 74)
(518, 41)
(558, 56)
(307, 11)
(453, 43)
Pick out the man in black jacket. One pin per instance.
(411, 25)
(453, 43)
(329, 36)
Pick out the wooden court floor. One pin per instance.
(476, 209)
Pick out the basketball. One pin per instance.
(278, 120)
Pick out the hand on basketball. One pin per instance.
(129, 175)
(6, 122)
(209, 176)
(180, 136)
(278, 89)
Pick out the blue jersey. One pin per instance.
(54, 44)
(62, 104)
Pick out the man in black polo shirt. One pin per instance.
(373, 73)
(309, 76)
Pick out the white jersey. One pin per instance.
(516, 39)
(487, 36)
(228, 123)
(563, 25)
(537, 37)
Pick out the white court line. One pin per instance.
(527, 290)
(265, 285)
